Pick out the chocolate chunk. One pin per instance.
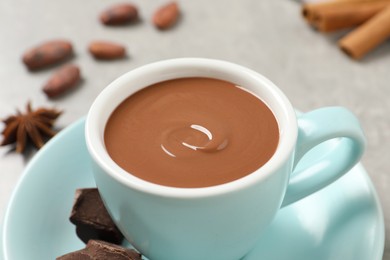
(100, 250)
(92, 219)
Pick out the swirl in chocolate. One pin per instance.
(191, 132)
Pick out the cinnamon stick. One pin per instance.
(369, 35)
(336, 15)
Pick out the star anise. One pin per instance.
(31, 127)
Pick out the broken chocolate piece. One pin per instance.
(100, 250)
(92, 219)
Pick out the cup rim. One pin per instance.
(95, 123)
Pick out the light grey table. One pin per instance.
(267, 36)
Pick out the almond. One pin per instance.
(47, 54)
(62, 80)
(166, 16)
(107, 50)
(119, 14)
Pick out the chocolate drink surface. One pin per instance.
(191, 133)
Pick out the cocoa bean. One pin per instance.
(106, 50)
(62, 80)
(166, 16)
(47, 53)
(119, 14)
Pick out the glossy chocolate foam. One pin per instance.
(191, 133)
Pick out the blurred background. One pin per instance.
(268, 36)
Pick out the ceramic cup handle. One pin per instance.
(316, 127)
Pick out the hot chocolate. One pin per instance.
(191, 132)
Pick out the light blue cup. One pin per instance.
(221, 222)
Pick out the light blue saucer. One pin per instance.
(343, 221)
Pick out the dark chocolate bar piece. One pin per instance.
(92, 219)
(100, 250)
